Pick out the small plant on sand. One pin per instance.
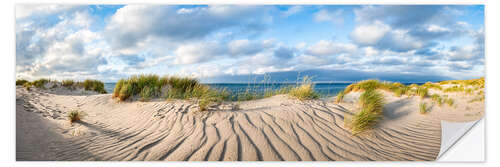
(75, 116)
(422, 92)
(449, 101)
(305, 91)
(469, 91)
(436, 98)
(340, 97)
(21, 82)
(423, 108)
(27, 85)
(371, 103)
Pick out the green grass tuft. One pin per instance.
(305, 91)
(40, 83)
(70, 84)
(423, 108)
(21, 82)
(340, 97)
(422, 91)
(75, 116)
(371, 103)
(94, 85)
(449, 101)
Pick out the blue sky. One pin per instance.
(224, 43)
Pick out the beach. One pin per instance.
(277, 128)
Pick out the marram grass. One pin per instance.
(75, 116)
(90, 85)
(423, 108)
(371, 103)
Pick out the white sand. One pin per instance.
(271, 129)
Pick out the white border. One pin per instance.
(7, 141)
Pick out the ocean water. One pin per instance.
(324, 89)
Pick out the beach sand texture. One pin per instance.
(271, 129)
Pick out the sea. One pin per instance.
(324, 89)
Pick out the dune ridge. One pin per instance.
(271, 129)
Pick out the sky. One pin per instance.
(232, 43)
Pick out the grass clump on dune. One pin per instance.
(471, 82)
(152, 86)
(422, 92)
(90, 85)
(423, 108)
(70, 84)
(94, 85)
(371, 103)
(75, 116)
(304, 91)
(27, 85)
(431, 85)
(21, 82)
(340, 97)
(397, 88)
(449, 101)
(40, 83)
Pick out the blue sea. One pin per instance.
(324, 89)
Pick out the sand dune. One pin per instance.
(272, 129)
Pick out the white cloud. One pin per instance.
(327, 15)
(291, 11)
(324, 47)
(369, 34)
(178, 25)
(197, 52)
(246, 47)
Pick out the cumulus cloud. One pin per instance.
(247, 47)
(197, 52)
(369, 34)
(67, 47)
(324, 47)
(404, 16)
(291, 11)
(135, 23)
(328, 15)
(214, 41)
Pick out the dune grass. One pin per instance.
(430, 85)
(340, 97)
(371, 103)
(304, 91)
(171, 87)
(90, 85)
(70, 84)
(75, 116)
(94, 85)
(28, 86)
(422, 92)
(40, 83)
(471, 82)
(423, 108)
(449, 101)
(152, 86)
(21, 82)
